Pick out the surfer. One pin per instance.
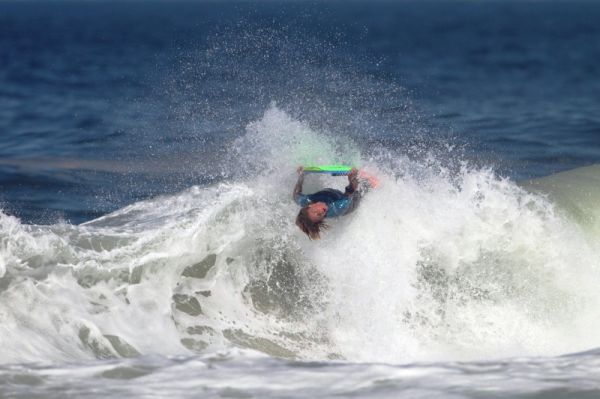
(325, 203)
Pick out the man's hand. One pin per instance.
(353, 174)
(353, 179)
(300, 170)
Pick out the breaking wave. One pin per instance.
(436, 264)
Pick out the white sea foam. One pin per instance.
(433, 265)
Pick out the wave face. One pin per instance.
(434, 265)
(577, 193)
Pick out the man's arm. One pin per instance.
(353, 182)
(298, 186)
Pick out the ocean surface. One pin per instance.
(147, 240)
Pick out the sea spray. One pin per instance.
(435, 264)
(474, 268)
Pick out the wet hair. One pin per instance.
(308, 227)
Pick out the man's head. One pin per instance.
(310, 219)
(316, 211)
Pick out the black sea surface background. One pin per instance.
(104, 103)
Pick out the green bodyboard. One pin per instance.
(334, 170)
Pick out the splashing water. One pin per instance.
(433, 265)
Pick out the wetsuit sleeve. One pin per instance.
(339, 207)
(302, 199)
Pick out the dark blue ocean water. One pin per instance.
(103, 103)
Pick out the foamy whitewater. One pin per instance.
(443, 283)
